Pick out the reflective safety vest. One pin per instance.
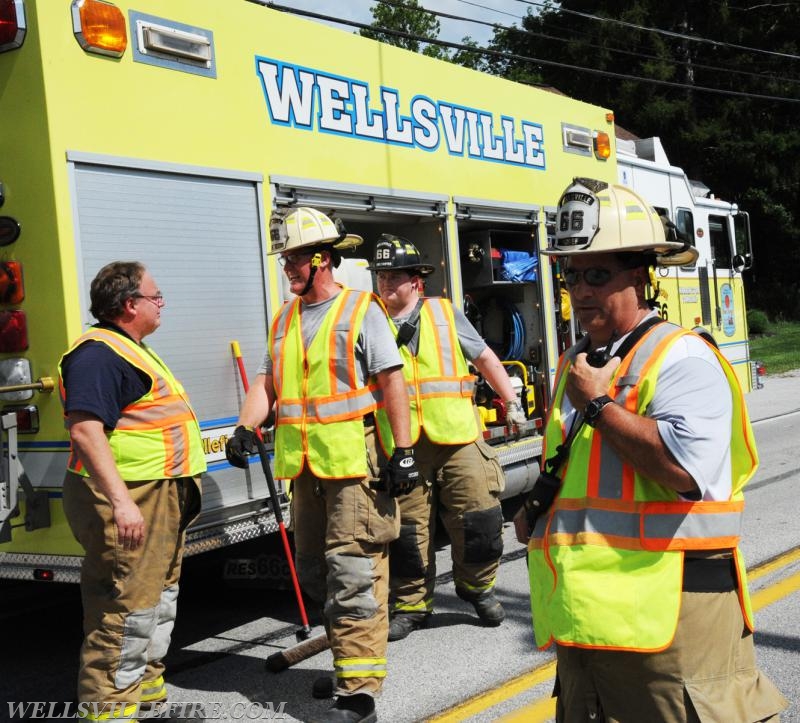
(606, 561)
(320, 405)
(157, 436)
(439, 384)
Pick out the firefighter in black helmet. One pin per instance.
(461, 472)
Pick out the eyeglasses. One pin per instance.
(591, 276)
(293, 259)
(157, 299)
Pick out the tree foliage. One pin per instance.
(407, 17)
(742, 146)
(417, 25)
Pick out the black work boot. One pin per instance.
(404, 623)
(323, 687)
(358, 708)
(486, 604)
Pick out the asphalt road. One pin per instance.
(455, 670)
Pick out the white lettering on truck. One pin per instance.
(310, 99)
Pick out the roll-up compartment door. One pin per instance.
(201, 238)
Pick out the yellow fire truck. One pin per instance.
(709, 294)
(170, 133)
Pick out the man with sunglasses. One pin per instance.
(132, 488)
(462, 478)
(633, 526)
(331, 360)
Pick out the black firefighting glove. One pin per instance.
(240, 446)
(540, 498)
(402, 474)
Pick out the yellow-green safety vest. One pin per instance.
(320, 404)
(439, 384)
(606, 561)
(157, 436)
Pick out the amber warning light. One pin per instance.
(99, 27)
(602, 145)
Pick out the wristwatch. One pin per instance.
(592, 412)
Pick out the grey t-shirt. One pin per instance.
(472, 344)
(376, 350)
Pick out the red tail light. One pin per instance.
(12, 24)
(27, 417)
(13, 331)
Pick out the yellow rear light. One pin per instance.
(99, 27)
(602, 145)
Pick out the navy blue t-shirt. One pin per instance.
(99, 381)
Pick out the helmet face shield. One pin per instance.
(278, 235)
(578, 218)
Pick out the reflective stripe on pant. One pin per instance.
(129, 596)
(464, 484)
(707, 675)
(342, 529)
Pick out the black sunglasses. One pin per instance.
(592, 276)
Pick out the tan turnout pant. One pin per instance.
(462, 485)
(707, 675)
(129, 596)
(342, 530)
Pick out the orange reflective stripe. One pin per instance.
(161, 421)
(282, 318)
(351, 340)
(74, 462)
(628, 482)
(130, 423)
(437, 315)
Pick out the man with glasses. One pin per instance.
(132, 487)
(331, 361)
(461, 474)
(633, 526)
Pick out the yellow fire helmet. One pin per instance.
(305, 227)
(595, 217)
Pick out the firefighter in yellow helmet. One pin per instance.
(462, 477)
(633, 525)
(330, 355)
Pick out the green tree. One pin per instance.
(742, 146)
(406, 16)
